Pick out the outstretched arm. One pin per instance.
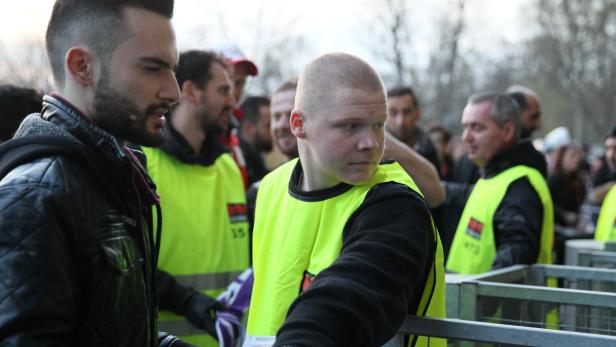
(419, 168)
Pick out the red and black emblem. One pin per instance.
(474, 228)
(237, 213)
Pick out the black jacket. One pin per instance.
(76, 248)
(255, 165)
(519, 217)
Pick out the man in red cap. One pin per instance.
(239, 70)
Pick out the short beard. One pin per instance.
(120, 116)
(262, 144)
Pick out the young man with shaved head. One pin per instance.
(77, 248)
(343, 244)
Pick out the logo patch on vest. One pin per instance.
(307, 281)
(237, 213)
(474, 228)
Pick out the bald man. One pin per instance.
(529, 103)
(344, 246)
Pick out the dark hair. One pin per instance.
(504, 108)
(402, 91)
(290, 84)
(97, 24)
(195, 66)
(251, 106)
(612, 133)
(520, 98)
(15, 104)
(438, 128)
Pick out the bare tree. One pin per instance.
(574, 54)
(26, 65)
(390, 40)
(449, 77)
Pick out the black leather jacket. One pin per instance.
(76, 241)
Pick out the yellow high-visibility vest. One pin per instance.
(292, 237)
(205, 241)
(473, 249)
(606, 225)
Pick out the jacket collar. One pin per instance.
(176, 145)
(111, 158)
(521, 153)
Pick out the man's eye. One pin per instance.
(152, 68)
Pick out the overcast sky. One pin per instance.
(326, 25)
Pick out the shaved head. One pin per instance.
(324, 78)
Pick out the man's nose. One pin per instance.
(170, 91)
(368, 140)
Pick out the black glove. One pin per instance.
(200, 310)
(166, 340)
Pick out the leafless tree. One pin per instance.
(388, 36)
(25, 64)
(449, 75)
(574, 54)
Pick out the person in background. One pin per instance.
(567, 185)
(15, 104)
(204, 246)
(508, 215)
(354, 235)
(530, 121)
(77, 249)
(530, 108)
(605, 178)
(255, 135)
(441, 137)
(239, 69)
(403, 114)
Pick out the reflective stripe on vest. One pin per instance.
(473, 249)
(606, 225)
(204, 241)
(292, 237)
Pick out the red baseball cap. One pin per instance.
(234, 56)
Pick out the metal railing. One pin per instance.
(462, 332)
(519, 296)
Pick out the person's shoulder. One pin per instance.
(521, 192)
(394, 191)
(52, 171)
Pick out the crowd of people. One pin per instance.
(137, 204)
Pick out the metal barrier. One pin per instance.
(519, 296)
(461, 332)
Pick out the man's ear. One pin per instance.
(189, 91)
(81, 65)
(509, 132)
(297, 124)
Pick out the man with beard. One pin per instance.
(205, 231)
(240, 68)
(77, 250)
(255, 136)
(403, 115)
